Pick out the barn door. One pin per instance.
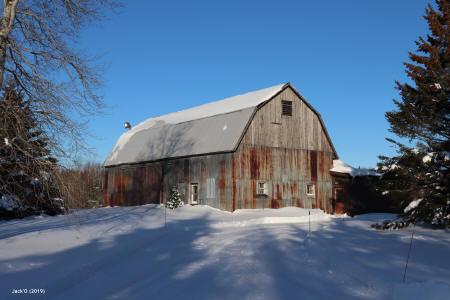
(339, 206)
(194, 193)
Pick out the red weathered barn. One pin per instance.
(267, 148)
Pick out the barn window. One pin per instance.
(286, 108)
(210, 188)
(310, 190)
(261, 187)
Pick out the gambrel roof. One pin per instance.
(214, 127)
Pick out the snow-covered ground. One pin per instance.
(204, 253)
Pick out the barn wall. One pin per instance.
(286, 152)
(287, 172)
(183, 172)
(151, 182)
(132, 185)
(300, 131)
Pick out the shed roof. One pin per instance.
(341, 167)
(209, 128)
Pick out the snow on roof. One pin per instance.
(341, 167)
(208, 128)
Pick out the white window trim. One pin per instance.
(313, 194)
(191, 196)
(264, 190)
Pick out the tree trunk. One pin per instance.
(6, 25)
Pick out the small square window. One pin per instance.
(311, 190)
(286, 108)
(261, 187)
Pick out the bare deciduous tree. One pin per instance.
(82, 185)
(37, 56)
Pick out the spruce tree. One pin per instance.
(174, 199)
(27, 168)
(420, 170)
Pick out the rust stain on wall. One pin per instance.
(276, 201)
(321, 165)
(254, 164)
(313, 163)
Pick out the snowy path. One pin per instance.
(203, 253)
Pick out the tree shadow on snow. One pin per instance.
(192, 259)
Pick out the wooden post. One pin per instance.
(309, 218)
(409, 252)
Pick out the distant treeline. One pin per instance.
(82, 185)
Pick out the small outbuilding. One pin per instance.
(266, 148)
(345, 187)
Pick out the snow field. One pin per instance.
(205, 253)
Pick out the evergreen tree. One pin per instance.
(27, 168)
(422, 117)
(174, 199)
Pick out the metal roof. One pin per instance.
(210, 128)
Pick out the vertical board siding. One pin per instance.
(301, 131)
(151, 183)
(287, 172)
(313, 165)
(132, 185)
(287, 152)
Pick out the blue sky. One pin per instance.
(343, 56)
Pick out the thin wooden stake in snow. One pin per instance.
(165, 213)
(309, 218)
(409, 252)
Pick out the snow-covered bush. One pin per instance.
(8, 203)
(174, 200)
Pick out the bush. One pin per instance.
(174, 200)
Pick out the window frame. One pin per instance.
(263, 190)
(194, 186)
(313, 187)
(288, 105)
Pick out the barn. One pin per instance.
(263, 149)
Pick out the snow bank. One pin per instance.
(341, 167)
(287, 215)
